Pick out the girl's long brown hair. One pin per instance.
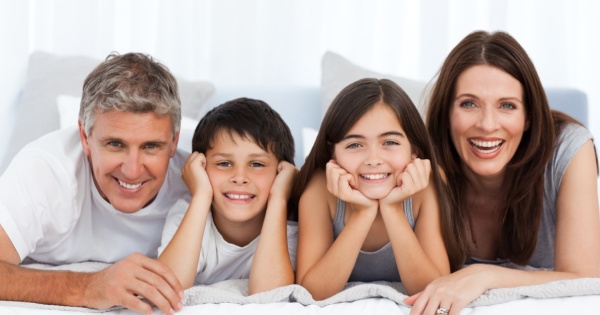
(346, 109)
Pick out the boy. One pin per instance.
(240, 177)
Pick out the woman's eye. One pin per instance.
(468, 104)
(508, 106)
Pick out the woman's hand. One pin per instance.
(195, 176)
(340, 183)
(414, 179)
(452, 292)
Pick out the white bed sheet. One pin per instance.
(568, 305)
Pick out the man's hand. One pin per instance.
(136, 275)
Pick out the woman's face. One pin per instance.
(487, 119)
(375, 151)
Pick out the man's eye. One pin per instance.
(115, 144)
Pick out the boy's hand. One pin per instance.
(282, 186)
(414, 179)
(340, 183)
(195, 176)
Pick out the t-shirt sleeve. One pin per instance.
(172, 222)
(37, 201)
(292, 240)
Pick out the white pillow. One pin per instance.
(68, 112)
(308, 139)
(337, 72)
(51, 75)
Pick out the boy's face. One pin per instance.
(241, 175)
(129, 155)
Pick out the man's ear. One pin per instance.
(84, 139)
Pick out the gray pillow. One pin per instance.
(338, 72)
(50, 75)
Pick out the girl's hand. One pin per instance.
(195, 176)
(414, 179)
(452, 292)
(340, 183)
(282, 185)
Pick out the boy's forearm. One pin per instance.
(271, 266)
(183, 251)
(42, 286)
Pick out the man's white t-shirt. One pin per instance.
(220, 260)
(53, 213)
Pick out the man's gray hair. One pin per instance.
(133, 82)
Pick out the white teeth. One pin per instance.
(129, 186)
(238, 197)
(486, 146)
(374, 176)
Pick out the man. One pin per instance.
(100, 193)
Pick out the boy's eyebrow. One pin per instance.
(252, 155)
(385, 134)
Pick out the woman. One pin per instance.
(522, 178)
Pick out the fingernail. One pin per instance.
(179, 306)
(181, 294)
(171, 311)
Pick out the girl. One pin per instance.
(368, 209)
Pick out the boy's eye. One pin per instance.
(224, 164)
(257, 164)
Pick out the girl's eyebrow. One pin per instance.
(385, 134)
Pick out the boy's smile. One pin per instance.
(241, 174)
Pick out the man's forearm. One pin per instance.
(42, 286)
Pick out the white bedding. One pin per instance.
(560, 297)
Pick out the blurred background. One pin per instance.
(279, 43)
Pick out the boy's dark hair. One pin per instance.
(251, 119)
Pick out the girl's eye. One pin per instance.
(353, 146)
(467, 104)
(391, 142)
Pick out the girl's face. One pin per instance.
(375, 151)
(487, 119)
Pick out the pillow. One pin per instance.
(338, 72)
(68, 112)
(309, 135)
(50, 75)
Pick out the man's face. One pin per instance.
(129, 154)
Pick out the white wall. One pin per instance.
(275, 42)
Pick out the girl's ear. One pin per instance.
(414, 156)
